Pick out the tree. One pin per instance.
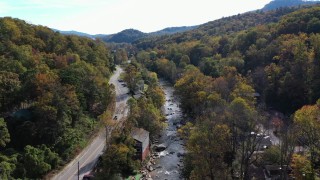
(307, 122)
(38, 161)
(301, 167)
(191, 87)
(150, 117)
(119, 156)
(198, 52)
(184, 61)
(157, 96)
(272, 155)
(120, 56)
(132, 76)
(9, 87)
(4, 133)
(167, 69)
(9, 29)
(244, 124)
(207, 146)
(7, 166)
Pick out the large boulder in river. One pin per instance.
(159, 147)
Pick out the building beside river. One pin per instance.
(142, 145)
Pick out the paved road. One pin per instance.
(89, 156)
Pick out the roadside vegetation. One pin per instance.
(145, 103)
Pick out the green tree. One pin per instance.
(38, 161)
(132, 76)
(272, 155)
(184, 61)
(4, 133)
(7, 166)
(120, 56)
(243, 123)
(9, 87)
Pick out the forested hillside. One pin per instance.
(53, 92)
(220, 27)
(229, 74)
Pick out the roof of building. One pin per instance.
(139, 134)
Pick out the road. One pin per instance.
(87, 159)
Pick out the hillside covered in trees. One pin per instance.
(229, 74)
(53, 93)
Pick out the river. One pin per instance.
(170, 160)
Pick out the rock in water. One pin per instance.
(159, 147)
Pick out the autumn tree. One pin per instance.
(306, 120)
(119, 156)
(207, 145)
(157, 96)
(301, 167)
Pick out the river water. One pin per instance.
(170, 160)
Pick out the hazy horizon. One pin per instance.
(112, 16)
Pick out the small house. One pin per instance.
(142, 145)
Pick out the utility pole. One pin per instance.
(78, 171)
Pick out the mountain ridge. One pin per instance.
(129, 35)
(287, 3)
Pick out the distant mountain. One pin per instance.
(129, 35)
(74, 33)
(287, 3)
(125, 36)
(172, 30)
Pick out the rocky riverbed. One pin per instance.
(168, 150)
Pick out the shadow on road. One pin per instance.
(87, 167)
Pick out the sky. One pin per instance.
(112, 16)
